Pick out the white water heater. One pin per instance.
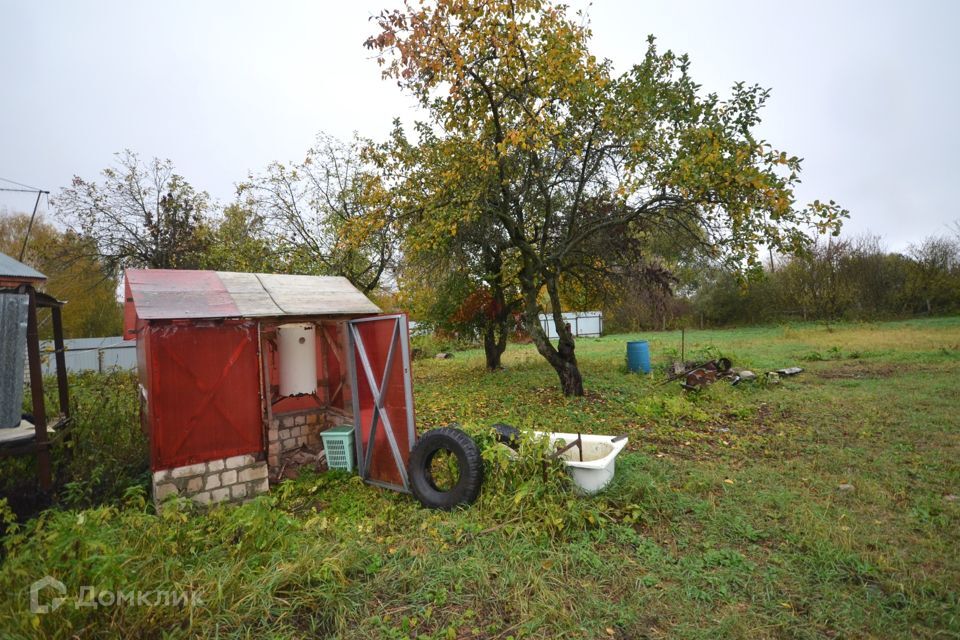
(297, 355)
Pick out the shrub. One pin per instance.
(101, 454)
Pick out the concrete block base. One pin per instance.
(229, 479)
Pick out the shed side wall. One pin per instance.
(204, 392)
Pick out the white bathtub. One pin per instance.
(599, 459)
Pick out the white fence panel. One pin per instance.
(91, 354)
(582, 323)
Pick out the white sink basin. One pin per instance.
(599, 459)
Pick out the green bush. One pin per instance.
(101, 454)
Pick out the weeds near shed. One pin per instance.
(102, 453)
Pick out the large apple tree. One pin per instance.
(564, 156)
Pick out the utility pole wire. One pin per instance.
(19, 190)
(20, 184)
(27, 189)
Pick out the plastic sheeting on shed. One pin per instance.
(202, 391)
(13, 349)
(383, 398)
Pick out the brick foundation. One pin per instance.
(229, 479)
(291, 431)
(242, 477)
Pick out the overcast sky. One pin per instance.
(866, 92)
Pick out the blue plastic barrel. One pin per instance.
(638, 356)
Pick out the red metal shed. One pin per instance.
(239, 369)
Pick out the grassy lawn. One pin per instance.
(724, 520)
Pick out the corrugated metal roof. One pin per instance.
(16, 269)
(180, 294)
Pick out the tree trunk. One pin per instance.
(495, 342)
(496, 328)
(562, 358)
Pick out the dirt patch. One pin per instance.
(552, 395)
(292, 462)
(860, 370)
(26, 500)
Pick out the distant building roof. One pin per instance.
(11, 268)
(181, 294)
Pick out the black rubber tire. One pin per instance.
(468, 459)
(506, 434)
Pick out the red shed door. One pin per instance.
(205, 392)
(379, 366)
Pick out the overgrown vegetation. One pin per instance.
(724, 520)
(846, 279)
(101, 455)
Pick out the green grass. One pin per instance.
(724, 519)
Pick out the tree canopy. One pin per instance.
(73, 276)
(138, 215)
(562, 155)
(327, 213)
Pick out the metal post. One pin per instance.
(61, 359)
(36, 394)
(324, 358)
(355, 401)
(26, 237)
(407, 379)
(264, 401)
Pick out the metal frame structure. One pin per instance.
(41, 443)
(355, 346)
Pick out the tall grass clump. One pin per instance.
(97, 457)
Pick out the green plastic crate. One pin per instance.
(338, 443)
